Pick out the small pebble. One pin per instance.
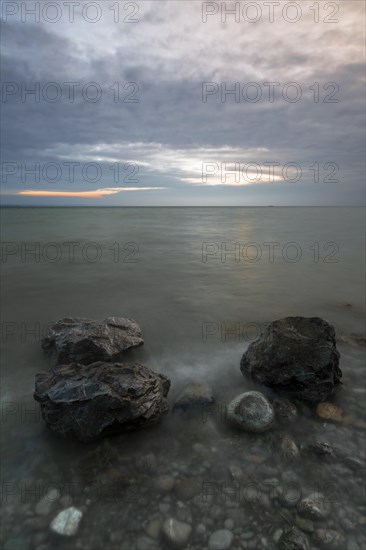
(164, 483)
(44, 506)
(200, 529)
(314, 506)
(229, 524)
(220, 540)
(67, 522)
(153, 528)
(176, 533)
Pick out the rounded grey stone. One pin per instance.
(251, 411)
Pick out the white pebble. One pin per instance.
(67, 522)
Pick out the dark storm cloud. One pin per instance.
(170, 132)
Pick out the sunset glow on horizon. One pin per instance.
(97, 194)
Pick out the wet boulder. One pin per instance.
(86, 341)
(296, 356)
(91, 401)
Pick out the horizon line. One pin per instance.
(184, 206)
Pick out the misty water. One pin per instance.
(202, 283)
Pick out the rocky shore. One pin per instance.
(278, 467)
(88, 398)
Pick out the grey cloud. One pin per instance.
(169, 58)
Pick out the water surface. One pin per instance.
(202, 283)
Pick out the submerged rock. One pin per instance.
(329, 411)
(251, 411)
(176, 533)
(164, 483)
(305, 525)
(44, 506)
(188, 487)
(314, 506)
(285, 411)
(329, 538)
(193, 398)
(220, 540)
(320, 449)
(90, 401)
(86, 341)
(343, 456)
(293, 539)
(288, 448)
(296, 356)
(67, 522)
(354, 339)
(153, 528)
(17, 543)
(146, 543)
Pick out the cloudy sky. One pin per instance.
(131, 103)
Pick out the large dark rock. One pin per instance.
(295, 356)
(90, 401)
(85, 341)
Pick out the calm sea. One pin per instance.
(202, 283)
